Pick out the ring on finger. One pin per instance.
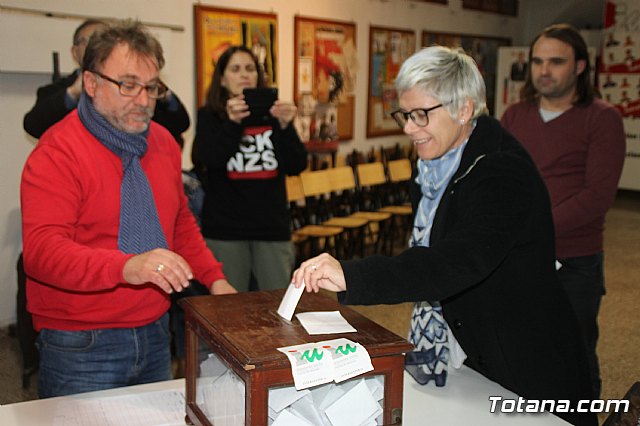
(160, 268)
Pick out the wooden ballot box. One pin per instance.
(232, 341)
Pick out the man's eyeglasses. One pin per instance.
(420, 116)
(131, 89)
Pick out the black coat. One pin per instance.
(245, 207)
(50, 108)
(491, 264)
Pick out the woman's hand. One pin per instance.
(222, 287)
(285, 112)
(237, 108)
(320, 272)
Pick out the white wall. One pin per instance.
(17, 90)
(537, 14)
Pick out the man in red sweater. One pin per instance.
(578, 144)
(107, 231)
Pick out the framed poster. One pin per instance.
(483, 49)
(388, 49)
(217, 29)
(325, 68)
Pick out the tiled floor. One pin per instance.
(11, 372)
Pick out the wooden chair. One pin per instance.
(345, 199)
(309, 239)
(399, 174)
(376, 195)
(317, 191)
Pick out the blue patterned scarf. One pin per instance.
(140, 228)
(429, 330)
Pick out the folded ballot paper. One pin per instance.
(329, 405)
(290, 301)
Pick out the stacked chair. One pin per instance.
(318, 195)
(344, 199)
(310, 239)
(353, 210)
(399, 205)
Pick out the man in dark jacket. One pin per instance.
(56, 100)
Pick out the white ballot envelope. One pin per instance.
(325, 322)
(290, 301)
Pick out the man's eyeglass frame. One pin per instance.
(133, 89)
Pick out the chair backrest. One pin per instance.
(399, 170)
(317, 190)
(371, 174)
(372, 186)
(295, 192)
(344, 198)
(316, 183)
(297, 205)
(341, 178)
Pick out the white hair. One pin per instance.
(447, 74)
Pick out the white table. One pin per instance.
(463, 401)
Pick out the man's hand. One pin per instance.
(162, 267)
(75, 90)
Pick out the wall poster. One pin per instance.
(325, 71)
(619, 78)
(388, 49)
(217, 29)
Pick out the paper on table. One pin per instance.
(325, 322)
(152, 408)
(290, 301)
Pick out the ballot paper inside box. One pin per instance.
(236, 376)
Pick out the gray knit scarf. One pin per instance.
(140, 229)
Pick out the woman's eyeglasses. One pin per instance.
(420, 116)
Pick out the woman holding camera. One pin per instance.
(245, 217)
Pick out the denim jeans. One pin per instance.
(89, 360)
(583, 280)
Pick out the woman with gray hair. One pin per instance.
(481, 258)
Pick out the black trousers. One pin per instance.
(583, 280)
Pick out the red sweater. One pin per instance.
(70, 194)
(580, 156)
